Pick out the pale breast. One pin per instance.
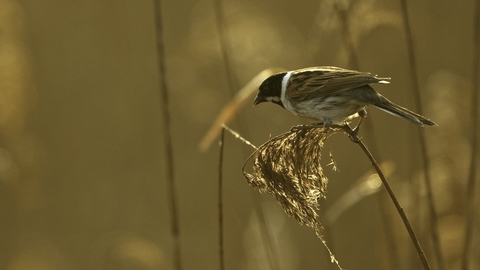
(330, 109)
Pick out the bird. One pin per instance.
(331, 95)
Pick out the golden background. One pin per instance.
(82, 159)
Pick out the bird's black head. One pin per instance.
(270, 90)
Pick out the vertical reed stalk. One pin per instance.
(222, 32)
(171, 190)
(421, 135)
(472, 175)
(220, 201)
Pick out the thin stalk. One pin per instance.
(220, 201)
(222, 32)
(470, 214)
(421, 134)
(171, 189)
(405, 220)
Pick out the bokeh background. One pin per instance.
(82, 159)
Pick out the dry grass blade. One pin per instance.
(231, 109)
(288, 167)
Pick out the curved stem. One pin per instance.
(405, 220)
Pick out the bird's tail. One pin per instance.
(392, 108)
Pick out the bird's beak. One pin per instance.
(258, 99)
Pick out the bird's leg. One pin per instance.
(362, 114)
(326, 123)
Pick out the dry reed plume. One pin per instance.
(288, 167)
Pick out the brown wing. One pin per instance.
(317, 82)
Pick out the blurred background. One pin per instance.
(82, 159)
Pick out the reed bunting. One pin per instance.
(330, 94)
